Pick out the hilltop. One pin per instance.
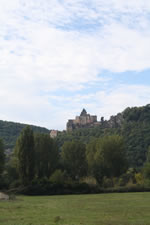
(133, 124)
(9, 131)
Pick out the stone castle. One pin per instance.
(84, 120)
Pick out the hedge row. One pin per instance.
(76, 188)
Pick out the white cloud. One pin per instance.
(48, 46)
(122, 97)
(110, 102)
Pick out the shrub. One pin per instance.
(139, 178)
(107, 182)
(58, 177)
(146, 170)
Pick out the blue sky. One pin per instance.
(60, 56)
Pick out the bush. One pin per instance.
(146, 170)
(139, 178)
(107, 182)
(91, 181)
(58, 177)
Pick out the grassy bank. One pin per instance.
(100, 209)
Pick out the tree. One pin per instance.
(109, 157)
(146, 168)
(112, 151)
(74, 159)
(58, 177)
(148, 155)
(47, 155)
(2, 157)
(24, 151)
(95, 162)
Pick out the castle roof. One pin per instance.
(83, 113)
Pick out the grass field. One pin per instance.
(100, 209)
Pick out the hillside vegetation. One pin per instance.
(113, 156)
(9, 132)
(133, 124)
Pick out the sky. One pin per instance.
(60, 56)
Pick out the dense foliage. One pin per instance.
(38, 165)
(2, 156)
(134, 128)
(136, 132)
(112, 155)
(107, 157)
(24, 151)
(74, 159)
(46, 155)
(10, 131)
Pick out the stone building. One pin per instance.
(53, 133)
(84, 120)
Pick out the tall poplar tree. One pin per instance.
(24, 150)
(47, 155)
(74, 159)
(2, 156)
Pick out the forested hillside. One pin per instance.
(136, 132)
(9, 131)
(114, 154)
(133, 124)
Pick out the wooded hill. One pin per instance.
(9, 132)
(133, 124)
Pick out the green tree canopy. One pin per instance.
(107, 157)
(24, 151)
(74, 159)
(2, 157)
(146, 168)
(148, 155)
(47, 155)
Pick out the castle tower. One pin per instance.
(83, 113)
(84, 120)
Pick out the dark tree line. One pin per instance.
(37, 156)
(25, 153)
(134, 127)
(38, 160)
(10, 131)
(2, 157)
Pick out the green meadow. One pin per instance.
(96, 209)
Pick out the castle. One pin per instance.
(53, 133)
(84, 120)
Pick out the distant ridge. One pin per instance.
(9, 132)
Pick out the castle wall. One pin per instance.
(53, 133)
(93, 119)
(80, 121)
